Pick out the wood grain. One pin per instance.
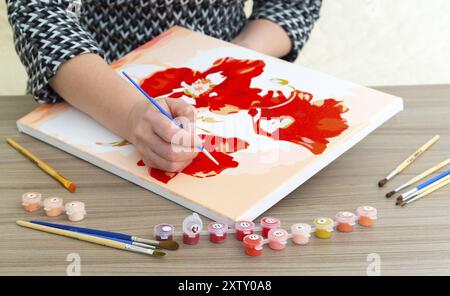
(412, 241)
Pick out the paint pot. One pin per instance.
(31, 201)
(253, 244)
(277, 239)
(345, 221)
(75, 211)
(301, 233)
(217, 232)
(243, 228)
(163, 232)
(53, 206)
(366, 215)
(268, 223)
(192, 226)
(324, 227)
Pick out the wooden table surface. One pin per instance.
(414, 240)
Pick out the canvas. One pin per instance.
(271, 124)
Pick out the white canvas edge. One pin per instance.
(252, 213)
(299, 179)
(122, 173)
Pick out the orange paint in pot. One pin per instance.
(345, 221)
(366, 215)
(277, 239)
(253, 244)
(75, 210)
(53, 206)
(301, 233)
(31, 201)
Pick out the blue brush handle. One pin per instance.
(432, 180)
(95, 232)
(152, 100)
(155, 103)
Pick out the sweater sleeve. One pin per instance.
(46, 35)
(296, 17)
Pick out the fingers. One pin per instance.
(179, 108)
(171, 133)
(153, 160)
(169, 151)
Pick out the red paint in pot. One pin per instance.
(217, 232)
(191, 240)
(268, 223)
(243, 228)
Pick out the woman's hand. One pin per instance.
(161, 143)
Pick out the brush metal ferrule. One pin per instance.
(409, 193)
(143, 245)
(145, 241)
(391, 175)
(138, 249)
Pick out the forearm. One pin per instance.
(88, 83)
(266, 37)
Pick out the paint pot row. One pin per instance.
(277, 237)
(270, 228)
(53, 206)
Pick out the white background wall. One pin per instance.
(371, 42)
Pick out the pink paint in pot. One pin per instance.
(301, 233)
(53, 206)
(163, 232)
(75, 211)
(277, 239)
(268, 223)
(243, 228)
(31, 201)
(192, 226)
(217, 232)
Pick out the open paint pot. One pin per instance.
(345, 221)
(163, 232)
(217, 232)
(192, 226)
(277, 239)
(268, 223)
(366, 215)
(253, 244)
(243, 228)
(53, 206)
(75, 211)
(31, 201)
(301, 233)
(324, 227)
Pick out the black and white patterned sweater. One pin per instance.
(47, 33)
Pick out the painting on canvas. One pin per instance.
(270, 124)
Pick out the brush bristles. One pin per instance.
(390, 194)
(383, 182)
(399, 200)
(157, 253)
(169, 245)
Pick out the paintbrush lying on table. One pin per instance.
(168, 245)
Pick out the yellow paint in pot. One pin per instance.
(324, 227)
